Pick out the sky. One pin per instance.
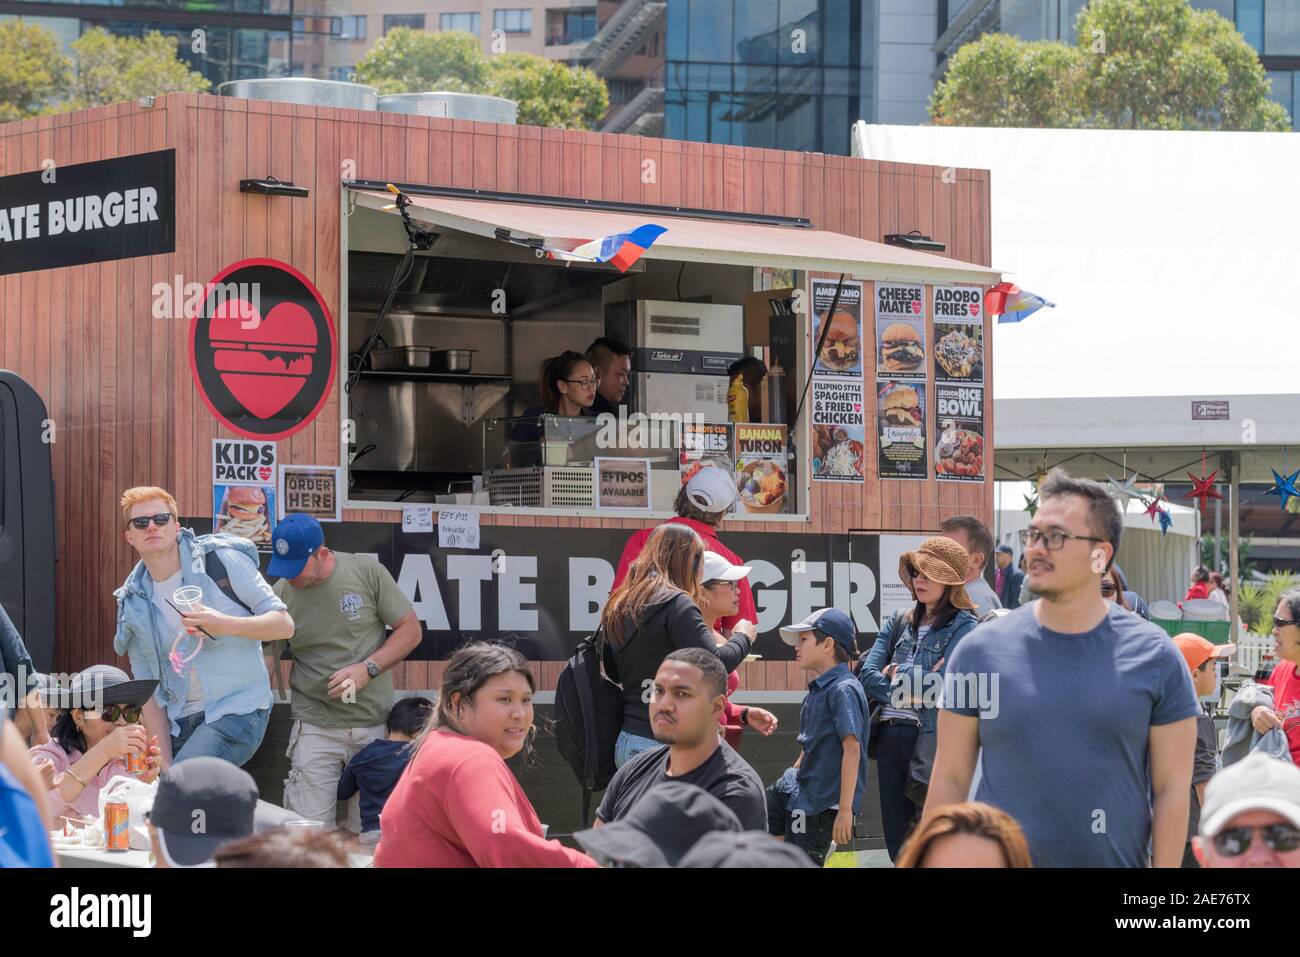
(1173, 257)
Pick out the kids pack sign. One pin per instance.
(88, 213)
(262, 349)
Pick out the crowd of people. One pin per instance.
(1062, 731)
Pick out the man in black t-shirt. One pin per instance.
(688, 696)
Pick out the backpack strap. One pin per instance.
(216, 570)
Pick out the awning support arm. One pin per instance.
(821, 341)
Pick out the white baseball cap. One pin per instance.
(718, 569)
(1255, 783)
(711, 489)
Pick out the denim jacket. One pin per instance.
(230, 669)
(894, 643)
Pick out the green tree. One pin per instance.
(1244, 544)
(549, 93)
(33, 70)
(111, 69)
(1137, 64)
(415, 61)
(1001, 80)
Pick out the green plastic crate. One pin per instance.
(1216, 632)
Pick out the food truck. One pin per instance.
(224, 297)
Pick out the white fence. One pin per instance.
(1251, 649)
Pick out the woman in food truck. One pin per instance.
(568, 384)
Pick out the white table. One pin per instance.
(76, 856)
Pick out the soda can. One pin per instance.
(135, 763)
(117, 817)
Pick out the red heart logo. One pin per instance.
(264, 473)
(857, 406)
(916, 307)
(265, 365)
(974, 308)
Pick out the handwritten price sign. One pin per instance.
(457, 529)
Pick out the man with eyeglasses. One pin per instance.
(214, 695)
(1085, 713)
(1251, 816)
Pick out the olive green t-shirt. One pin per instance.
(340, 622)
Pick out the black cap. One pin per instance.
(660, 828)
(200, 804)
(1004, 550)
(746, 849)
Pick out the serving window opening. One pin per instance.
(666, 369)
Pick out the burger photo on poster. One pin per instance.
(841, 350)
(900, 348)
(901, 406)
(245, 511)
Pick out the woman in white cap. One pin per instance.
(90, 741)
(719, 598)
(701, 504)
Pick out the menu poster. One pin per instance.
(841, 353)
(901, 430)
(704, 445)
(958, 334)
(900, 331)
(622, 483)
(247, 511)
(959, 448)
(760, 467)
(839, 433)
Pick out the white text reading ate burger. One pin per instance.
(79, 214)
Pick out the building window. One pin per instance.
(413, 21)
(1250, 22)
(467, 22)
(1281, 27)
(570, 26)
(1285, 84)
(343, 74)
(513, 21)
(349, 28)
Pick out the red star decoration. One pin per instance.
(1203, 488)
(1153, 507)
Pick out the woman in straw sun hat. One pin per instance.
(903, 673)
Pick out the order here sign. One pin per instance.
(87, 213)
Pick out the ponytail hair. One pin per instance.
(554, 371)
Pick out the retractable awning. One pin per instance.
(689, 239)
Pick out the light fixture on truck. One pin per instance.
(272, 187)
(914, 240)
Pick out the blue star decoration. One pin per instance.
(1284, 487)
(1165, 521)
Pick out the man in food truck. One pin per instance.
(342, 692)
(193, 614)
(612, 361)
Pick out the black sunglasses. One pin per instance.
(142, 521)
(1235, 841)
(1282, 622)
(112, 712)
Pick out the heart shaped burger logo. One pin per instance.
(264, 473)
(916, 306)
(262, 350)
(266, 364)
(974, 308)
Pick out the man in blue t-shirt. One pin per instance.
(1085, 714)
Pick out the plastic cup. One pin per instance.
(188, 597)
(305, 825)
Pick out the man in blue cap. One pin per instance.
(342, 693)
(813, 804)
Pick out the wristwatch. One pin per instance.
(372, 669)
(744, 716)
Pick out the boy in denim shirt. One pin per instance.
(815, 801)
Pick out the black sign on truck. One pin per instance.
(88, 213)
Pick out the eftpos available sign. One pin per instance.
(88, 213)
